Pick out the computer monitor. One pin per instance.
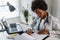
(12, 28)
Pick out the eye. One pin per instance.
(40, 12)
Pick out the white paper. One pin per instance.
(39, 37)
(25, 36)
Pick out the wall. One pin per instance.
(56, 8)
(13, 20)
(49, 2)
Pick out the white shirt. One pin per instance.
(54, 24)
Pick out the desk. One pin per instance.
(40, 37)
(34, 37)
(53, 37)
(4, 35)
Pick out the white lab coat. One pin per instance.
(54, 24)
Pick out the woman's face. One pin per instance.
(41, 13)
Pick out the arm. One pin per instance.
(55, 26)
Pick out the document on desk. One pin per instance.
(25, 36)
(39, 37)
(34, 36)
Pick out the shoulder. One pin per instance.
(54, 19)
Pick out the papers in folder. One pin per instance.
(34, 36)
(39, 37)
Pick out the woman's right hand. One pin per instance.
(43, 32)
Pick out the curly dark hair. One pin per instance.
(41, 4)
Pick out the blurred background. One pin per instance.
(17, 16)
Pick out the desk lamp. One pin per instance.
(11, 7)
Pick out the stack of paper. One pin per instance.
(24, 36)
(39, 37)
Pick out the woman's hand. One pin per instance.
(43, 32)
(29, 32)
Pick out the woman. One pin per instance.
(44, 21)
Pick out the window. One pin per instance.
(5, 12)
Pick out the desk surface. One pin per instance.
(4, 35)
(38, 37)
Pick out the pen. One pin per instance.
(45, 37)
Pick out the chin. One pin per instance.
(43, 18)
